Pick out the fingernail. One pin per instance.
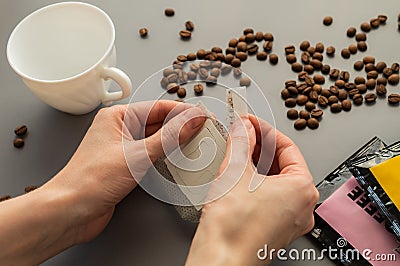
(195, 117)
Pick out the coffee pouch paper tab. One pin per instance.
(388, 176)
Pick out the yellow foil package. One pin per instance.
(388, 176)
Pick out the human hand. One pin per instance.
(233, 228)
(98, 177)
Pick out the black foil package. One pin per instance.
(378, 174)
(323, 233)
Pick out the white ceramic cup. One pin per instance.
(65, 54)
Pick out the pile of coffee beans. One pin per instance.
(27, 190)
(20, 132)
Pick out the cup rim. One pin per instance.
(44, 9)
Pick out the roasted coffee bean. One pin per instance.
(373, 75)
(325, 69)
(211, 81)
(336, 108)
(198, 89)
(382, 19)
(374, 22)
(330, 51)
(362, 88)
(225, 69)
(334, 73)
(293, 90)
(301, 100)
(394, 98)
(236, 62)
(312, 123)
(290, 102)
(237, 72)
(248, 31)
(189, 25)
(370, 97)
(290, 49)
(352, 48)
(344, 75)
(362, 46)
(4, 198)
(365, 27)
(319, 79)
(268, 37)
(358, 65)
(318, 56)
(245, 81)
(302, 75)
(345, 53)
(387, 72)
(241, 47)
(340, 83)
(292, 114)
(267, 46)
(211, 56)
(215, 72)
(304, 114)
(309, 69)
(250, 37)
(309, 81)
(351, 32)
(310, 106)
(316, 64)
(307, 90)
(368, 60)
(191, 75)
(291, 58)
(381, 90)
(359, 80)
(370, 84)
(332, 99)
(327, 20)
(172, 88)
(346, 105)
(200, 53)
(322, 101)
(30, 189)
(290, 83)
(191, 57)
(242, 38)
(233, 42)
(334, 90)
(297, 67)
(273, 59)
(229, 58)
(21, 130)
(172, 78)
(353, 92)
(181, 92)
(262, 56)
(205, 64)
(301, 87)
(216, 49)
(305, 57)
(203, 73)
(342, 95)
(181, 58)
(242, 56)
(19, 142)
(380, 66)
(317, 88)
(395, 67)
(169, 12)
(361, 37)
(259, 36)
(358, 99)
(304, 45)
(319, 47)
(185, 34)
(182, 77)
(317, 113)
(285, 94)
(326, 93)
(349, 86)
(370, 67)
(313, 96)
(164, 82)
(311, 50)
(220, 57)
(393, 79)
(167, 72)
(143, 32)
(381, 80)
(300, 124)
(230, 50)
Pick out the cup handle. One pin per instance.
(123, 82)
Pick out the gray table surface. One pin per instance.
(145, 231)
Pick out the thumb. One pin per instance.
(175, 132)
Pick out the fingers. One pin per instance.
(176, 131)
